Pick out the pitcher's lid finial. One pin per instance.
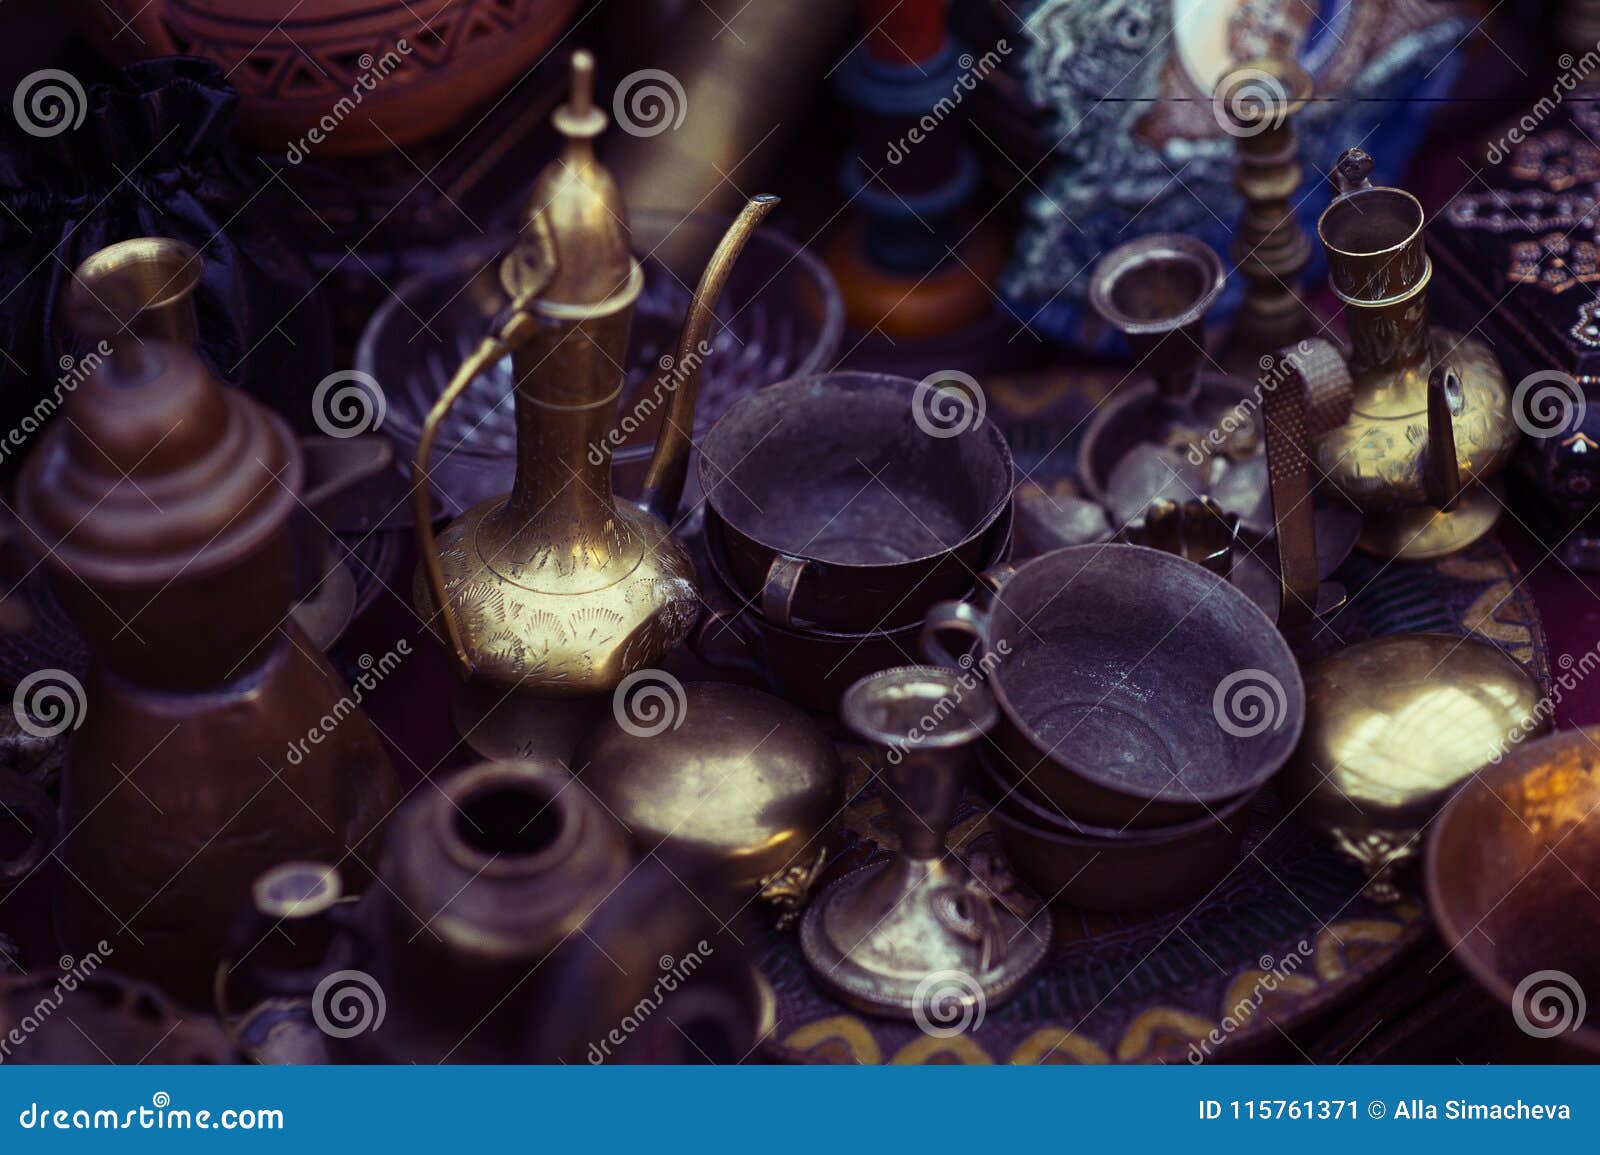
(578, 118)
(1353, 171)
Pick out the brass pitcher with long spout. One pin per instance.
(559, 588)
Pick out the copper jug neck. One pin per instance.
(158, 278)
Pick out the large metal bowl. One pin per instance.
(1136, 689)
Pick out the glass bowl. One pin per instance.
(780, 316)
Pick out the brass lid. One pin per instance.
(1394, 724)
(155, 469)
(734, 782)
(576, 204)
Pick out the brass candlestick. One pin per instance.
(1257, 103)
(921, 937)
(1156, 291)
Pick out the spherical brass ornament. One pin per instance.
(1393, 726)
(725, 783)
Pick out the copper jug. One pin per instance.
(214, 740)
(559, 588)
(1431, 423)
(513, 925)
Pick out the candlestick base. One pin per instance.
(921, 939)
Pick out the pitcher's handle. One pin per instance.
(781, 588)
(511, 327)
(704, 643)
(1441, 469)
(952, 617)
(489, 350)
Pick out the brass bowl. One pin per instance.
(1511, 871)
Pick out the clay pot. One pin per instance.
(365, 77)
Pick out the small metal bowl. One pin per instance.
(1135, 688)
(1110, 870)
(811, 668)
(1511, 871)
(845, 506)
